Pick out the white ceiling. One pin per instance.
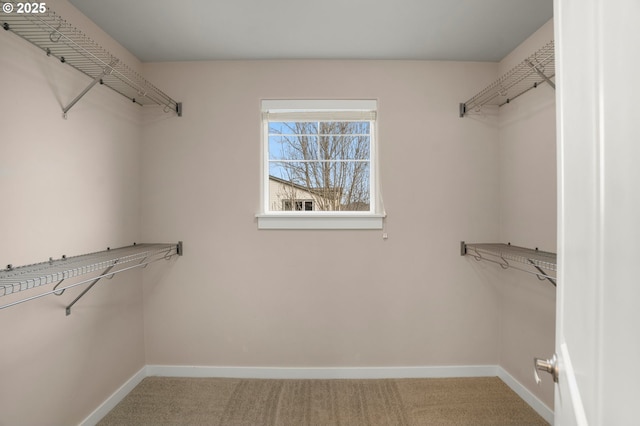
(188, 30)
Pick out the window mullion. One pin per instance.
(318, 135)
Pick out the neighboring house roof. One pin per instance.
(322, 192)
(288, 182)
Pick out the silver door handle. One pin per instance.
(548, 365)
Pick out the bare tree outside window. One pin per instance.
(326, 161)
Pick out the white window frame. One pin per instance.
(372, 219)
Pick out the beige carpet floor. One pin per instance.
(388, 402)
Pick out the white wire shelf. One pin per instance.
(538, 68)
(543, 264)
(59, 39)
(106, 263)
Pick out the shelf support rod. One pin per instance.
(107, 70)
(544, 274)
(68, 309)
(541, 74)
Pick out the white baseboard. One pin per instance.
(524, 393)
(320, 373)
(115, 398)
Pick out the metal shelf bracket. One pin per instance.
(108, 70)
(94, 282)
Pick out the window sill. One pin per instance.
(320, 221)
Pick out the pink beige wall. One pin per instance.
(68, 187)
(247, 297)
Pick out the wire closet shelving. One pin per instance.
(538, 68)
(105, 263)
(543, 264)
(58, 38)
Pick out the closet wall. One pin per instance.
(267, 298)
(68, 187)
(244, 297)
(527, 151)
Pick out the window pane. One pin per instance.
(344, 128)
(293, 147)
(293, 172)
(356, 195)
(293, 128)
(344, 147)
(331, 185)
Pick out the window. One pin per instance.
(319, 165)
